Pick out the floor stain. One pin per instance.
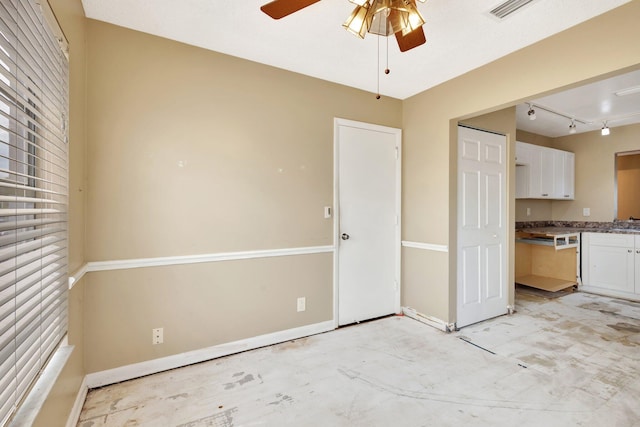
(551, 317)
(536, 359)
(602, 307)
(178, 396)
(625, 327)
(246, 379)
(242, 381)
(281, 399)
(222, 419)
(291, 345)
(114, 404)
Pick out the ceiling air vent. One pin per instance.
(507, 8)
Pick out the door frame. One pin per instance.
(337, 122)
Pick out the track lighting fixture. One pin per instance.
(573, 120)
(531, 113)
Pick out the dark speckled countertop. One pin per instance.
(557, 228)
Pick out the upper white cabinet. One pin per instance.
(544, 173)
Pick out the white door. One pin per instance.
(482, 230)
(368, 220)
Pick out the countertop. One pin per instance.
(561, 231)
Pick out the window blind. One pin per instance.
(33, 197)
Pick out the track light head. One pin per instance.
(531, 113)
(605, 129)
(572, 127)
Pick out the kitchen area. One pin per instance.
(578, 190)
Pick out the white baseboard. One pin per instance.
(609, 293)
(128, 372)
(428, 320)
(425, 246)
(74, 415)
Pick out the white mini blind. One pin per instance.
(33, 197)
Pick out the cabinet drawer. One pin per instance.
(609, 239)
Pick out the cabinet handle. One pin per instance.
(629, 250)
(566, 195)
(638, 251)
(545, 194)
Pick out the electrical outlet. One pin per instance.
(586, 212)
(302, 304)
(528, 211)
(158, 336)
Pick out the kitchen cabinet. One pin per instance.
(544, 173)
(546, 261)
(612, 264)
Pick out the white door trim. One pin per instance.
(337, 122)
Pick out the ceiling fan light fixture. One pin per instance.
(572, 127)
(359, 21)
(531, 113)
(412, 19)
(605, 129)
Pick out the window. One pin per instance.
(33, 197)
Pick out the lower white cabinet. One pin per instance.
(611, 264)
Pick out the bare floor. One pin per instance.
(569, 361)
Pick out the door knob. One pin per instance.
(344, 236)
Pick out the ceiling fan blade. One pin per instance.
(414, 39)
(280, 8)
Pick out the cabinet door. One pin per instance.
(522, 181)
(611, 262)
(568, 181)
(523, 153)
(558, 190)
(523, 170)
(534, 172)
(546, 173)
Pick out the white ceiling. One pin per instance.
(461, 36)
(594, 104)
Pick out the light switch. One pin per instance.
(586, 211)
(327, 212)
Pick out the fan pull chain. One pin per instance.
(378, 72)
(387, 70)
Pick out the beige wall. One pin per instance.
(70, 15)
(580, 54)
(595, 172)
(194, 152)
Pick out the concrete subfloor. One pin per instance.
(568, 361)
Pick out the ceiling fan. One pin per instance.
(382, 17)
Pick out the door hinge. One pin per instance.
(396, 285)
(397, 219)
(397, 153)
